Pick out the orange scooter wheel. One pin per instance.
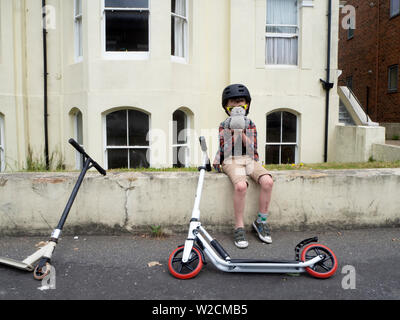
(323, 269)
(186, 270)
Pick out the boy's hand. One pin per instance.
(217, 168)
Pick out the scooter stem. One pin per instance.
(57, 232)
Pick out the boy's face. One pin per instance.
(235, 102)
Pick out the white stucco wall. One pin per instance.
(226, 45)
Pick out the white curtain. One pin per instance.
(282, 41)
(179, 26)
(282, 51)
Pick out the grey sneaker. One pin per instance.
(240, 238)
(263, 231)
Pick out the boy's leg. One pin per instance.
(264, 179)
(239, 201)
(235, 170)
(266, 184)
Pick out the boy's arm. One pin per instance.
(219, 155)
(250, 139)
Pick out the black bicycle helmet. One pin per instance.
(236, 91)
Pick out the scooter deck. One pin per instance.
(15, 264)
(262, 261)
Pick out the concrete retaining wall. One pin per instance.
(385, 152)
(32, 203)
(354, 143)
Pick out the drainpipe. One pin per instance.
(326, 84)
(45, 96)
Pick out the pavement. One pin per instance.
(134, 267)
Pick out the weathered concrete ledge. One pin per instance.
(31, 203)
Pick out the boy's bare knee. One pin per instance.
(266, 182)
(241, 187)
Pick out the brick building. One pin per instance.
(369, 57)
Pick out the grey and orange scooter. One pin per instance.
(39, 262)
(186, 261)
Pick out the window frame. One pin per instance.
(127, 147)
(119, 55)
(185, 57)
(391, 69)
(185, 145)
(78, 156)
(280, 144)
(78, 32)
(393, 14)
(283, 35)
(2, 146)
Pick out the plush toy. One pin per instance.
(238, 119)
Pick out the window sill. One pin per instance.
(126, 55)
(78, 60)
(394, 16)
(281, 66)
(179, 60)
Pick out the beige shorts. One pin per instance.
(238, 168)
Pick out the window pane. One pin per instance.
(117, 158)
(281, 50)
(78, 35)
(288, 154)
(79, 128)
(179, 7)
(282, 12)
(179, 157)
(127, 3)
(179, 126)
(127, 31)
(274, 127)
(393, 77)
(394, 7)
(138, 128)
(280, 29)
(138, 158)
(289, 127)
(178, 37)
(272, 154)
(116, 128)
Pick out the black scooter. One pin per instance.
(43, 256)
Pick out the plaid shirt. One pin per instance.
(232, 144)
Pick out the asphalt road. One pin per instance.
(117, 267)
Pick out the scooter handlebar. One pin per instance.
(203, 144)
(77, 146)
(82, 151)
(99, 168)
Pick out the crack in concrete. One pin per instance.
(127, 190)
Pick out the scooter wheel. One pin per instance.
(186, 270)
(40, 274)
(323, 269)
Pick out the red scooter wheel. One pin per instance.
(324, 268)
(186, 270)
